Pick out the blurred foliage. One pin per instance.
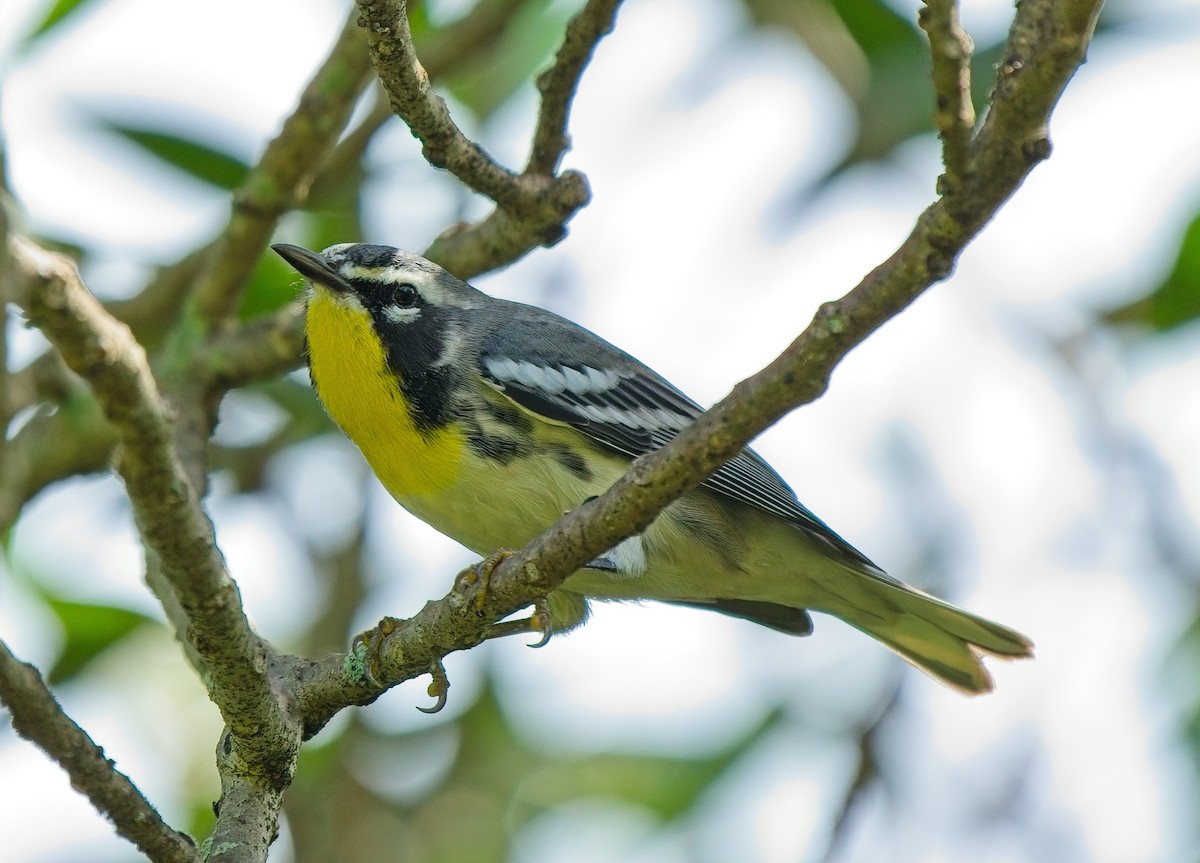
(59, 12)
(490, 779)
(507, 64)
(198, 160)
(88, 631)
(1175, 300)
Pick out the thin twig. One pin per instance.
(73, 440)
(282, 176)
(558, 83)
(425, 112)
(443, 52)
(261, 349)
(866, 775)
(532, 208)
(950, 51)
(1047, 37)
(501, 238)
(39, 718)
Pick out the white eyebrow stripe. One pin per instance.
(409, 271)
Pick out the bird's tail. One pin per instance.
(943, 641)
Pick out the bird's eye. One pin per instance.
(405, 295)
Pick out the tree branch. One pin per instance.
(558, 83)
(532, 208)
(407, 84)
(248, 811)
(282, 176)
(39, 718)
(72, 440)
(169, 516)
(263, 738)
(950, 49)
(501, 238)
(261, 349)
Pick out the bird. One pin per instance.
(488, 419)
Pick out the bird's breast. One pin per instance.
(362, 394)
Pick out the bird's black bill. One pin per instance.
(312, 266)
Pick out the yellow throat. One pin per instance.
(352, 378)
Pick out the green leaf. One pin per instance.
(670, 787)
(876, 56)
(1175, 301)
(59, 12)
(271, 286)
(499, 67)
(201, 161)
(90, 630)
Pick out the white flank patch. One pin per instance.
(629, 556)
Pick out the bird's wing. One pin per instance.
(568, 375)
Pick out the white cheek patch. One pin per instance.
(397, 315)
(451, 346)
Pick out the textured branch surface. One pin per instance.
(37, 717)
(954, 117)
(264, 740)
(102, 351)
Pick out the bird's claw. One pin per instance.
(538, 622)
(439, 687)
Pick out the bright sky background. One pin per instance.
(992, 388)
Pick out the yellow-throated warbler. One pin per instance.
(489, 419)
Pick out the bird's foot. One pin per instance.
(539, 622)
(479, 576)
